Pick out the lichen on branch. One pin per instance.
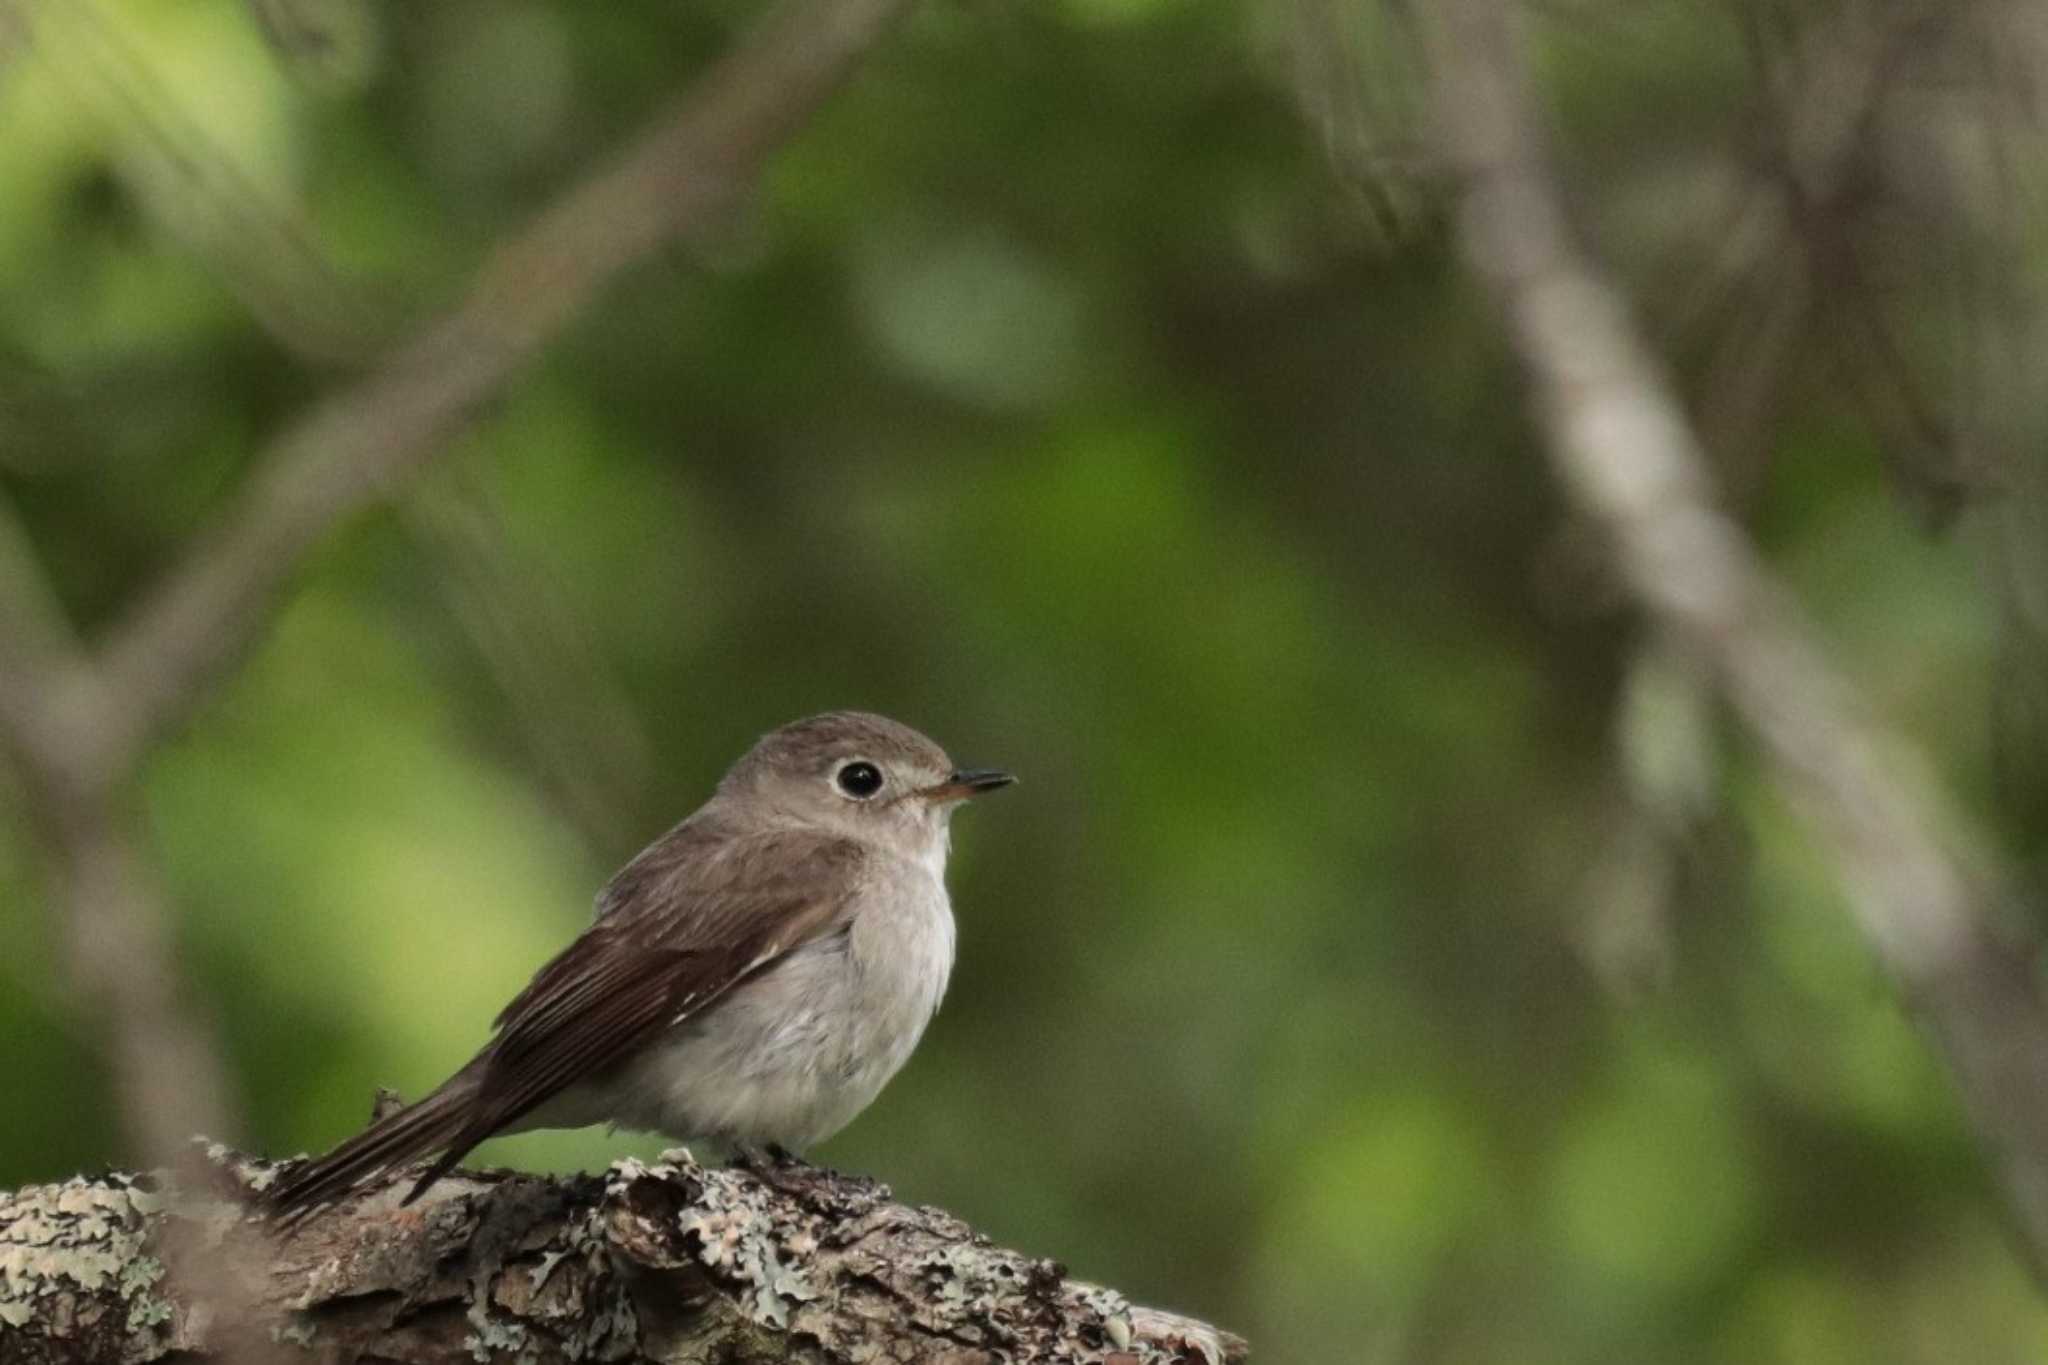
(668, 1261)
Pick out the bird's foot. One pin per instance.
(820, 1186)
(779, 1168)
(766, 1156)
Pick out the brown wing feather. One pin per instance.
(680, 925)
(696, 913)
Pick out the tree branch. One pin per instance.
(115, 931)
(354, 448)
(1620, 443)
(122, 959)
(670, 1262)
(48, 706)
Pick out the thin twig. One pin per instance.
(260, 244)
(1621, 445)
(577, 722)
(356, 447)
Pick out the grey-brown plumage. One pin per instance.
(753, 977)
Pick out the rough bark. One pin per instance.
(669, 1262)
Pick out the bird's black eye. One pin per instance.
(860, 779)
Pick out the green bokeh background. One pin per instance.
(1054, 396)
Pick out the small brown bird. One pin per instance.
(753, 978)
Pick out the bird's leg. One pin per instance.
(775, 1166)
(766, 1156)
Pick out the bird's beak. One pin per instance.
(967, 782)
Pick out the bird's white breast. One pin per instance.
(792, 1055)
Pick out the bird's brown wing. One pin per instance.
(684, 924)
(695, 914)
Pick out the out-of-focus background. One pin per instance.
(1391, 953)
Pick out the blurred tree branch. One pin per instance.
(80, 721)
(1623, 448)
(354, 448)
(578, 723)
(263, 247)
(665, 1262)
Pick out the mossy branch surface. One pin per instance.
(670, 1261)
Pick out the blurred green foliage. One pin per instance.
(1055, 396)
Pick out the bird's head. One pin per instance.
(862, 776)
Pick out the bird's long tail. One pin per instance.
(440, 1122)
